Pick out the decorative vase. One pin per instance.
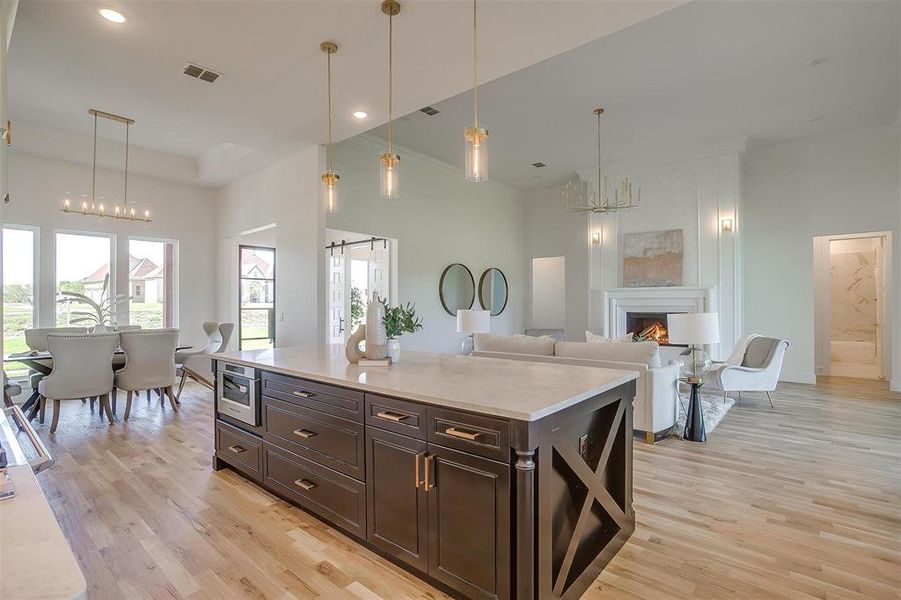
(394, 349)
(376, 335)
(99, 328)
(352, 349)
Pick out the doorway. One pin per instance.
(357, 266)
(852, 330)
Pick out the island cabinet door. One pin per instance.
(469, 522)
(397, 503)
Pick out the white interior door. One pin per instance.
(338, 298)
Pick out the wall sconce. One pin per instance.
(726, 225)
(596, 237)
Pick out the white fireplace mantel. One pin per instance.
(618, 302)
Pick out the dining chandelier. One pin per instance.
(582, 197)
(95, 209)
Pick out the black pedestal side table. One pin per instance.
(694, 418)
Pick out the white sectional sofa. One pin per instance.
(656, 390)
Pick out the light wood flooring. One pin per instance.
(800, 501)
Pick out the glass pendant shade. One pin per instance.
(330, 198)
(476, 154)
(389, 188)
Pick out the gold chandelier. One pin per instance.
(95, 209)
(475, 136)
(389, 188)
(581, 197)
(330, 179)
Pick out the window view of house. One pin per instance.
(18, 292)
(257, 297)
(150, 293)
(82, 274)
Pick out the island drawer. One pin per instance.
(399, 416)
(332, 441)
(327, 493)
(476, 434)
(331, 399)
(239, 449)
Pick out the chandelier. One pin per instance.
(582, 197)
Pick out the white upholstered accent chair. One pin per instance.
(198, 366)
(213, 339)
(150, 364)
(82, 368)
(754, 365)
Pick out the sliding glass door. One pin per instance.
(256, 297)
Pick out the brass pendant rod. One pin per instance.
(94, 169)
(328, 151)
(390, 74)
(601, 198)
(475, 67)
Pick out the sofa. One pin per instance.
(656, 395)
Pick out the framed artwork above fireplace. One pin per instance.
(652, 259)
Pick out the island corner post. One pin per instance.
(593, 443)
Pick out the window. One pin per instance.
(256, 301)
(151, 268)
(19, 279)
(83, 269)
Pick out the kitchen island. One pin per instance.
(486, 477)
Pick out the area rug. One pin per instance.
(713, 407)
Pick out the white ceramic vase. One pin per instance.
(376, 336)
(394, 350)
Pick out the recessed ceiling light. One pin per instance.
(360, 114)
(112, 15)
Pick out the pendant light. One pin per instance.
(475, 137)
(330, 179)
(388, 181)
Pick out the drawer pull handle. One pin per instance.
(304, 484)
(392, 416)
(303, 394)
(471, 436)
(237, 449)
(305, 433)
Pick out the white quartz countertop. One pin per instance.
(525, 391)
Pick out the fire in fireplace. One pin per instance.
(648, 326)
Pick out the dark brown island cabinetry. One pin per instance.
(479, 505)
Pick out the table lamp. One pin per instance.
(472, 322)
(694, 329)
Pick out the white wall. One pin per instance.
(180, 212)
(847, 183)
(439, 219)
(284, 194)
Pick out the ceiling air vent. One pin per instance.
(539, 165)
(198, 72)
(430, 110)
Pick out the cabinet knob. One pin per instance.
(304, 484)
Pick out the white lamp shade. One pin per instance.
(473, 321)
(694, 328)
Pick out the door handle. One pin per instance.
(303, 394)
(305, 433)
(392, 416)
(304, 484)
(427, 463)
(237, 449)
(471, 436)
(416, 469)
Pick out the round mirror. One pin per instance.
(493, 292)
(457, 289)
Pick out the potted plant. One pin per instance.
(398, 321)
(101, 313)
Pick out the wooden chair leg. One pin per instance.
(770, 398)
(104, 402)
(43, 409)
(55, 421)
(128, 395)
(181, 386)
(93, 398)
(168, 391)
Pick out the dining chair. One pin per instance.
(36, 340)
(225, 332)
(10, 389)
(198, 366)
(213, 338)
(82, 368)
(149, 364)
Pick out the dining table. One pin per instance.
(42, 362)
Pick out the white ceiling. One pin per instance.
(703, 72)
(65, 59)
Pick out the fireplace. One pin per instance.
(651, 326)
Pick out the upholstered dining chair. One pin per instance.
(754, 365)
(211, 331)
(82, 368)
(36, 340)
(150, 364)
(198, 366)
(10, 390)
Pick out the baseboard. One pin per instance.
(797, 377)
(895, 385)
(653, 437)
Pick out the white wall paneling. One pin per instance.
(549, 292)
